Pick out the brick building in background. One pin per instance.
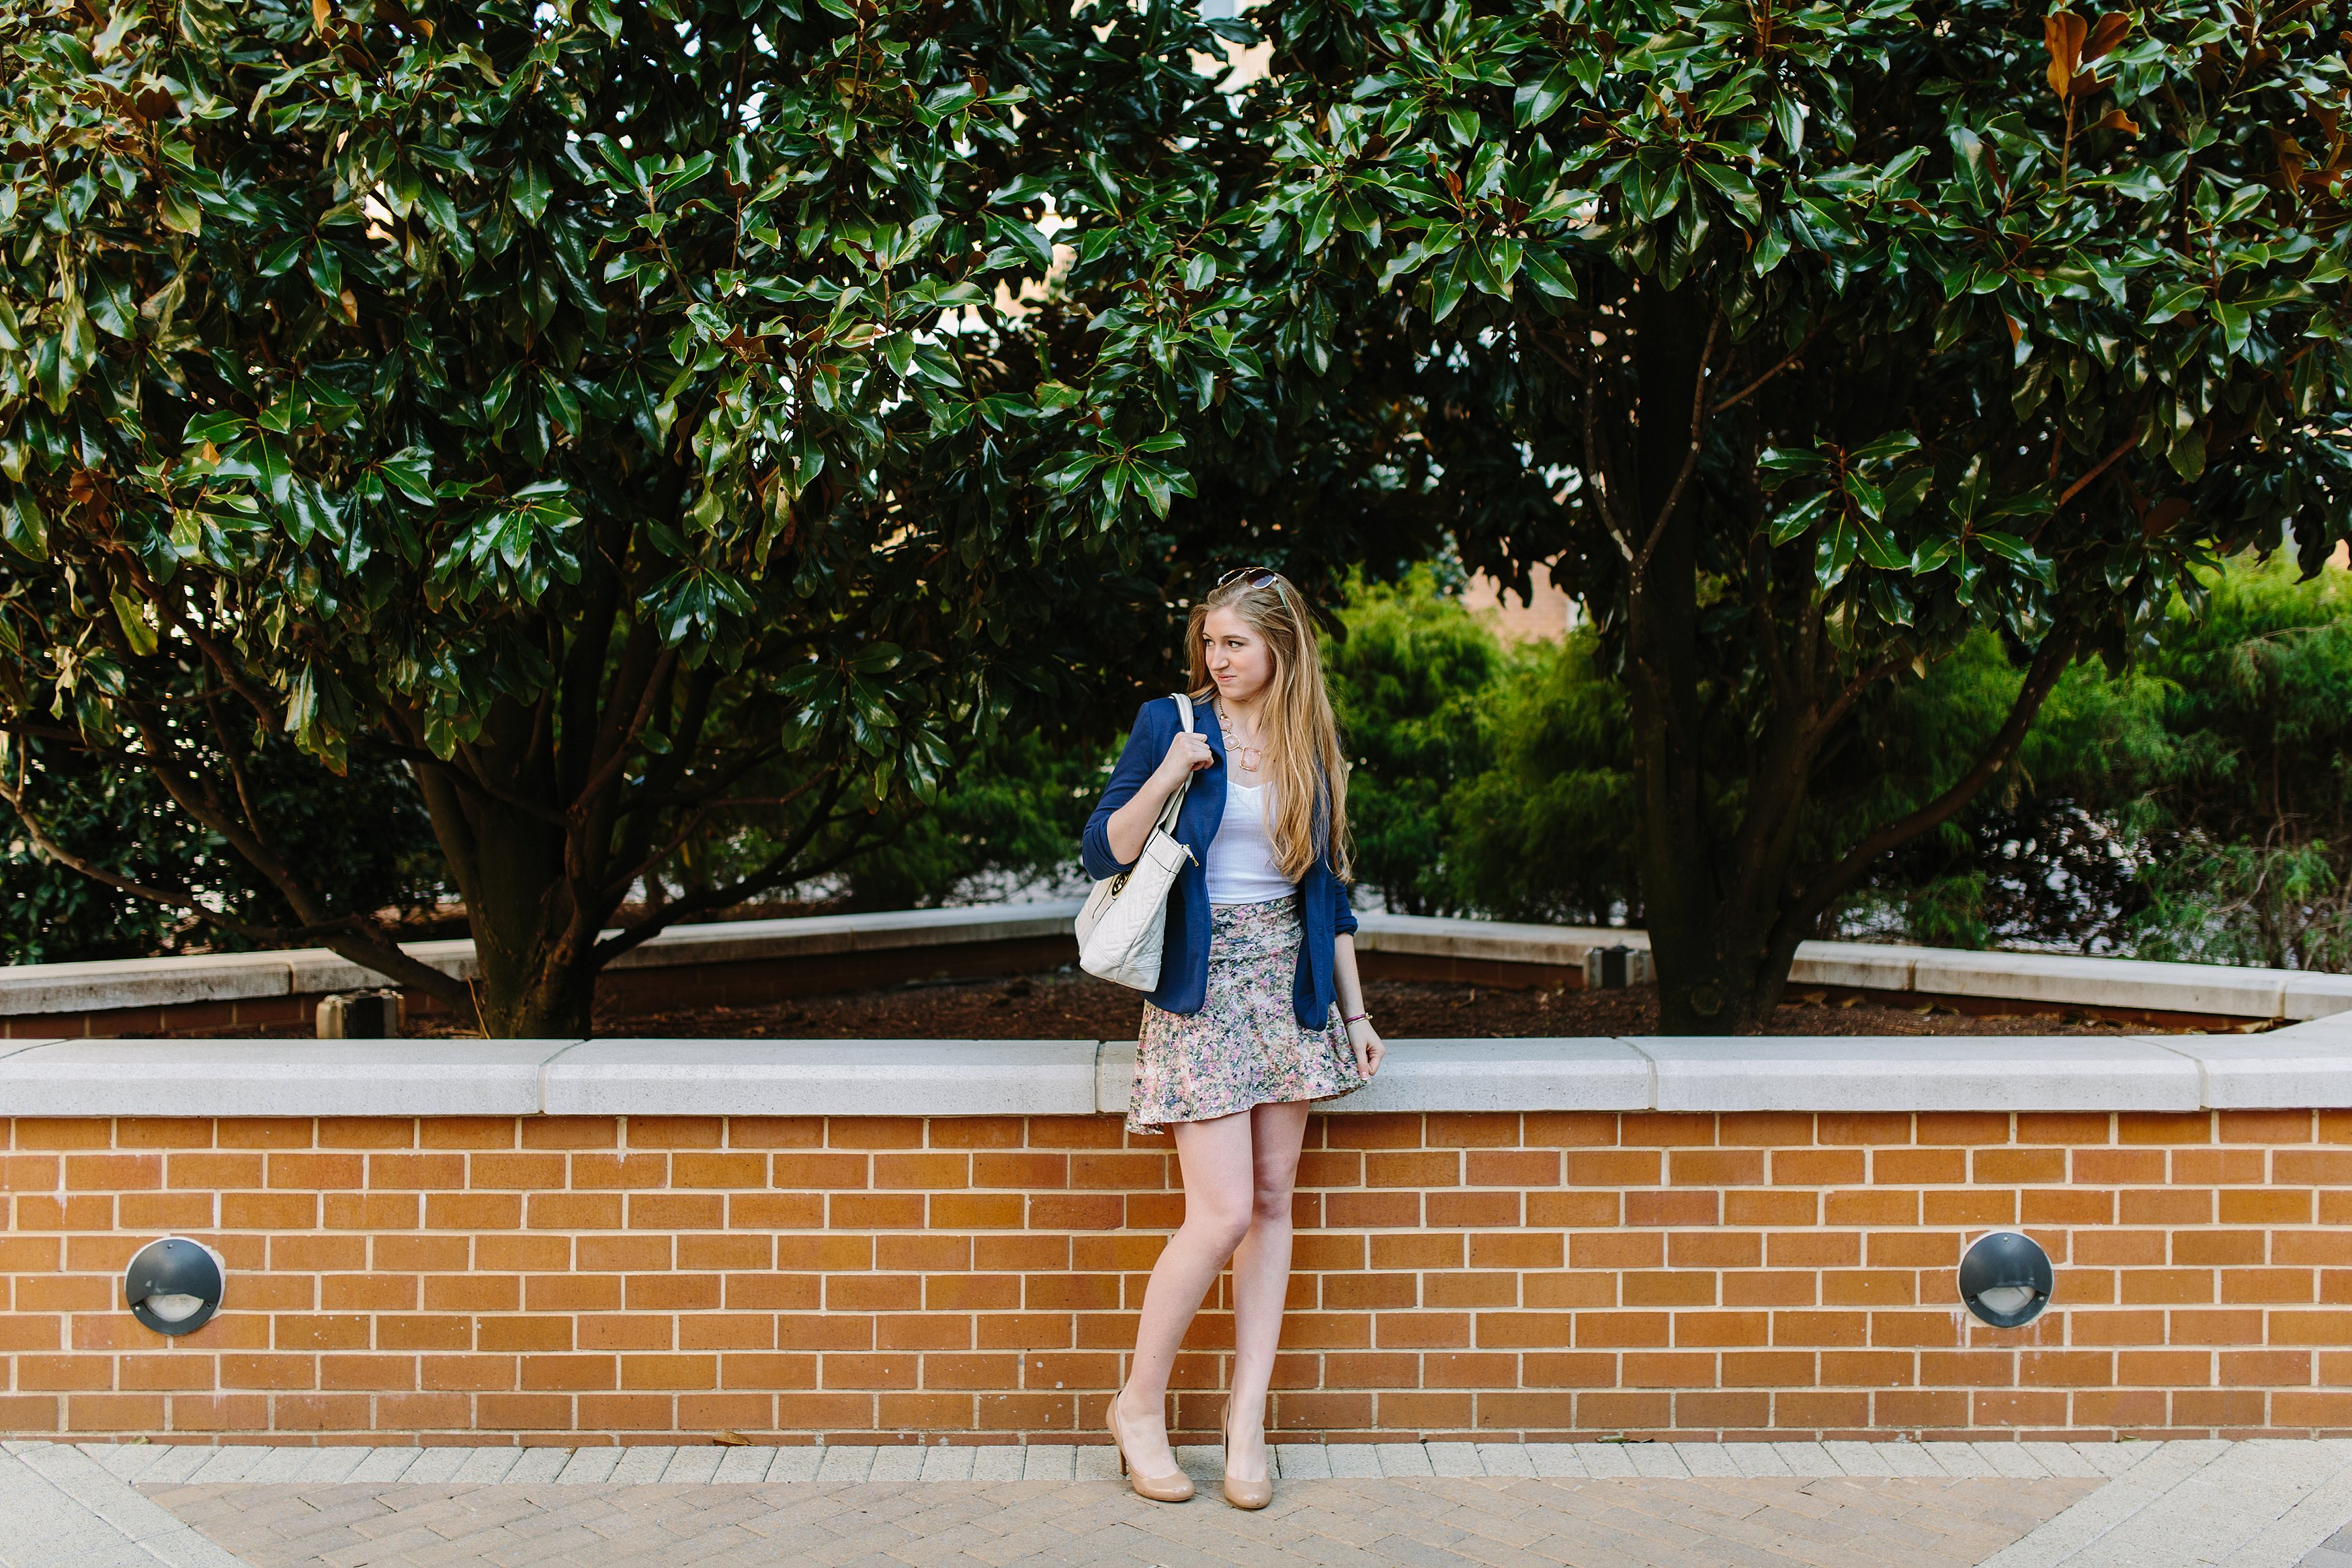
(1548, 613)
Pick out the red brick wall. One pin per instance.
(670, 1278)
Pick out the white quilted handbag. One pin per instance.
(1124, 922)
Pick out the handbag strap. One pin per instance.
(1176, 796)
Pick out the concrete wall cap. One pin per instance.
(27, 989)
(825, 1078)
(1506, 1075)
(1863, 965)
(2101, 982)
(1551, 1074)
(2310, 995)
(885, 931)
(1495, 941)
(2306, 1067)
(1114, 1076)
(1938, 1073)
(277, 1078)
(453, 956)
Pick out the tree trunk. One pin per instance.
(509, 865)
(523, 988)
(1706, 969)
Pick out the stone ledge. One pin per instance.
(1911, 1073)
(1505, 1075)
(277, 1078)
(2306, 1066)
(1495, 941)
(2103, 982)
(2047, 979)
(817, 935)
(28, 990)
(824, 1078)
(1861, 965)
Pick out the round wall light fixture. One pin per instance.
(2006, 1279)
(174, 1286)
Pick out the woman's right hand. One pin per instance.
(1129, 827)
(1188, 753)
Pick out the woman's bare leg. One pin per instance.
(1262, 1281)
(1216, 1162)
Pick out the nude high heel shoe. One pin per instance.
(1242, 1494)
(1173, 1487)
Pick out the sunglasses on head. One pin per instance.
(1254, 576)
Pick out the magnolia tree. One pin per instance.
(645, 422)
(1811, 340)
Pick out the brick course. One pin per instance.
(1495, 1275)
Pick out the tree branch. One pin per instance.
(770, 872)
(715, 781)
(1690, 458)
(657, 682)
(1544, 344)
(476, 776)
(644, 860)
(352, 937)
(1596, 470)
(1787, 360)
(2101, 466)
(2049, 662)
(1848, 695)
(231, 671)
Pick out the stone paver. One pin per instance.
(60, 1506)
(2262, 1504)
(1412, 1521)
(2335, 1551)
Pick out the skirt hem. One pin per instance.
(1145, 1129)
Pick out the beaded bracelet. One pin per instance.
(1361, 1017)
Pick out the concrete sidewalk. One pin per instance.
(2266, 1504)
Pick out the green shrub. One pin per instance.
(2248, 814)
(2195, 806)
(365, 835)
(1546, 833)
(1009, 824)
(1410, 681)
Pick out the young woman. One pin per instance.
(1258, 1010)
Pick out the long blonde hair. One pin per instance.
(1302, 737)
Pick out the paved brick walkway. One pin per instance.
(1425, 1522)
(2271, 1504)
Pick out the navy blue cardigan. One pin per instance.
(1184, 960)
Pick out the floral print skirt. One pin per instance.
(1244, 1047)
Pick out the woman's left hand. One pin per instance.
(1365, 1041)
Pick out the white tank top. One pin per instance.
(1241, 867)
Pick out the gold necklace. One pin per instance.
(1250, 757)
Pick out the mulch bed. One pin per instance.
(1068, 1005)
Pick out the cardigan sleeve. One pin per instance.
(1137, 762)
(1343, 913)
